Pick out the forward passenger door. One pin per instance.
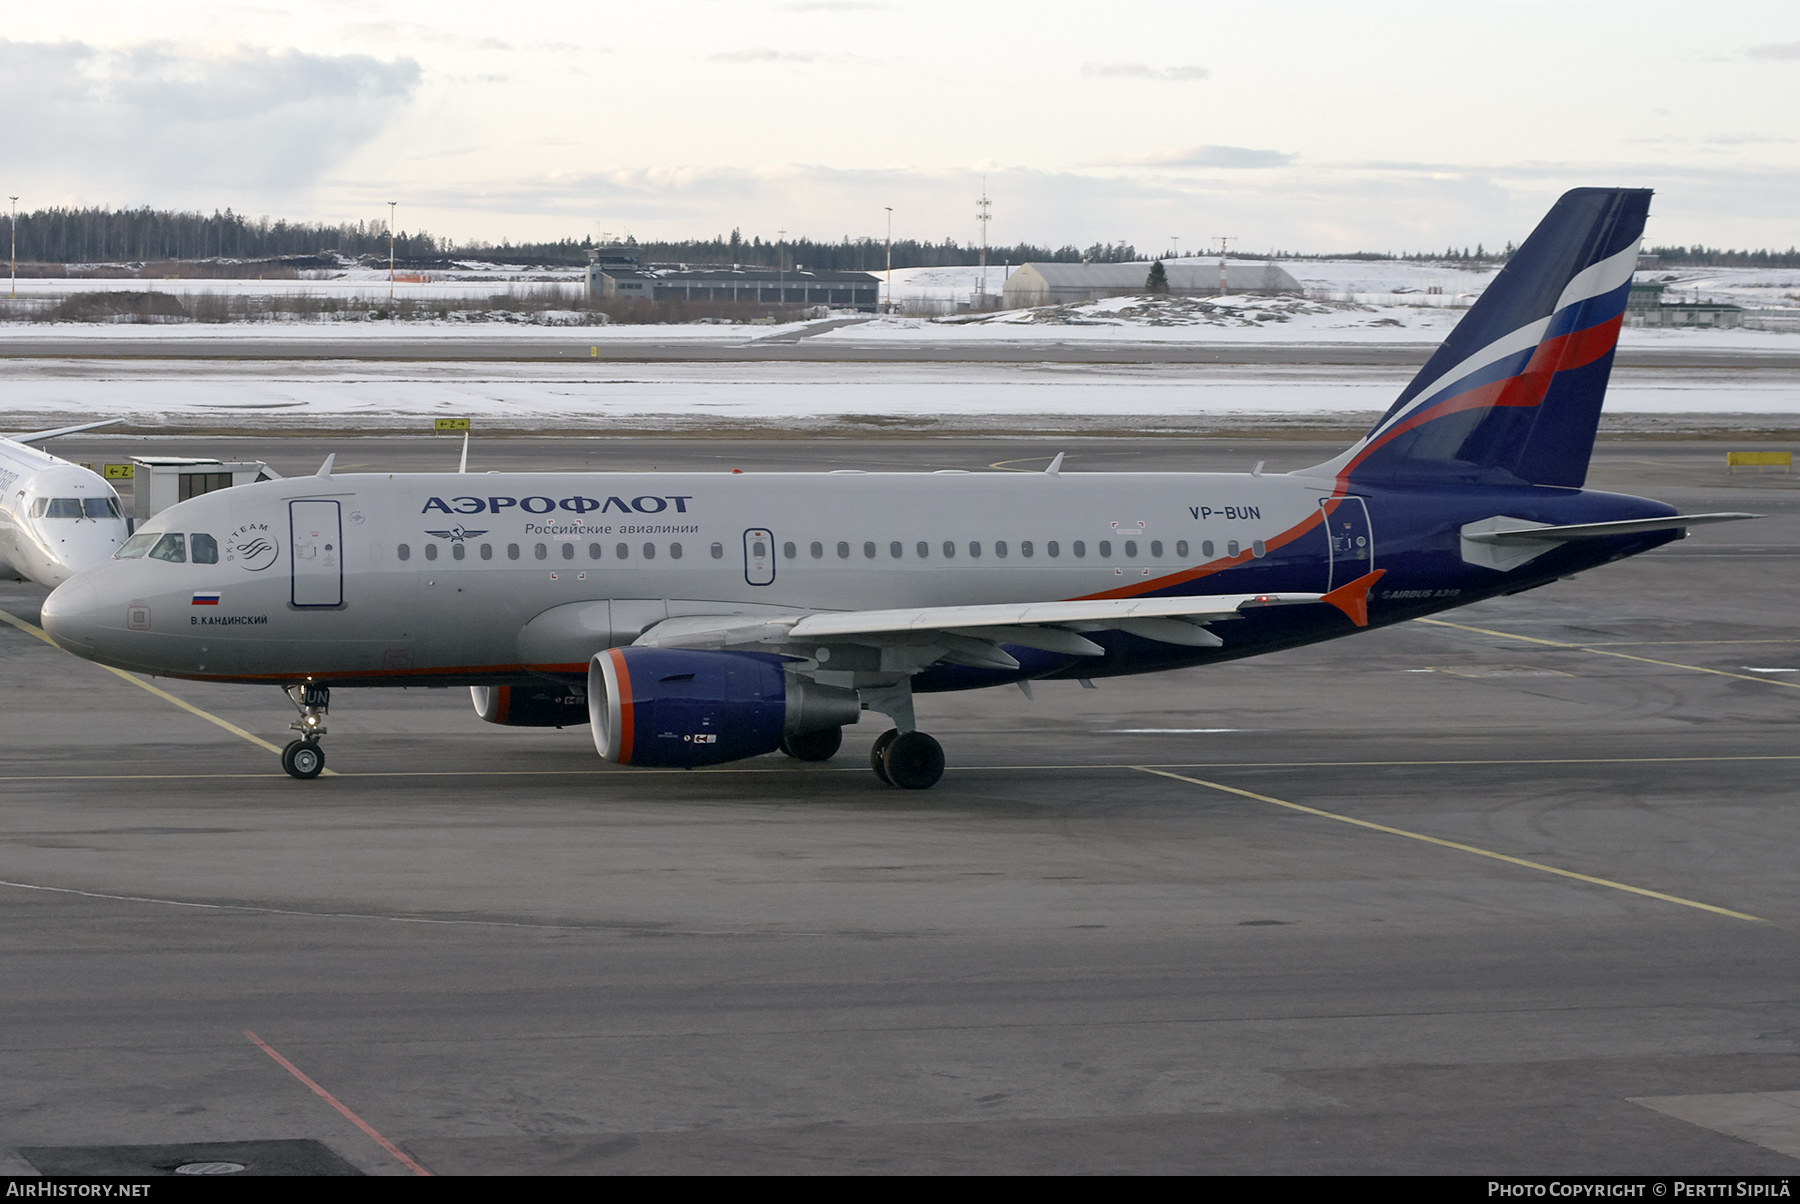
(316, 551)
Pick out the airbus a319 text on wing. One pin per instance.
(694, 619)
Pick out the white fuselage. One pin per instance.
(379, 577)
(56, 518)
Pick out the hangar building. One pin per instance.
(759, 286)
(1062, 283)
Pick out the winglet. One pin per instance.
(325, 468)
(1055, 468)
(1353, 599)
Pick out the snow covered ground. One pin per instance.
(1229, 321)
(942, 395)
(1384, 300)
(360, 283)
(324, 395)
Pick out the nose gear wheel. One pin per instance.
(303, 759)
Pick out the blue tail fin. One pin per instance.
(1514, 393)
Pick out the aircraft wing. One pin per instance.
(40, 436)
(975, 632)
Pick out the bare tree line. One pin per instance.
(143, 236)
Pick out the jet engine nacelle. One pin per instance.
(678, 708)
(530, 706)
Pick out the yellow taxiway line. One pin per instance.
(1602, 651)
(189, 707)
(1451, 844)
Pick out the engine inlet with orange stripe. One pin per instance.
(680, 708)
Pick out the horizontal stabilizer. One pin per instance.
(1535, 533)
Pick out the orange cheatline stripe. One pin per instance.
(331, 1099)
(1183, 576)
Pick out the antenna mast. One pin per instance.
(982, 208)
(1224, 240)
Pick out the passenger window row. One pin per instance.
(1132, 549)
(564, 550)
(1000, 549)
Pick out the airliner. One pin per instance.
(56, 518)
(695, 619)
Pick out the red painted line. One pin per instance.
(331, 1099)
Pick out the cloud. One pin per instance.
(405, 31)
(762, 54)
(1187, 74)
(156, 116)
(1743, 139)
(832, 6)
(1307, 205)
(1775, 50)
(1204, 156)
(1709, 140)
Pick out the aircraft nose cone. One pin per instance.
(71, 615)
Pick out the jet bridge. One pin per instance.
(158, 482)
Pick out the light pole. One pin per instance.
(13, 293)
(781, 268)
(391, 212)
(890, 258)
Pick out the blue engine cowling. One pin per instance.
(678, 708)
(544, 705)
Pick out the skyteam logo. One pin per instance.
(252, 546)
(648, 503)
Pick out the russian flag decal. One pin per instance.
(207, 599)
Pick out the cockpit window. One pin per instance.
(171, 547)
(206, 549)
(75, 507)
(137, 545)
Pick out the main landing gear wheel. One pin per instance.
(878, 750)
(303, 759)
(913, 761)
(821, 745)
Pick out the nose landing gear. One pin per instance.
(303, 758)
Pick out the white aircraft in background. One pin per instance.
(56, 518)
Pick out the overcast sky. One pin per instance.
(1383, 125)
